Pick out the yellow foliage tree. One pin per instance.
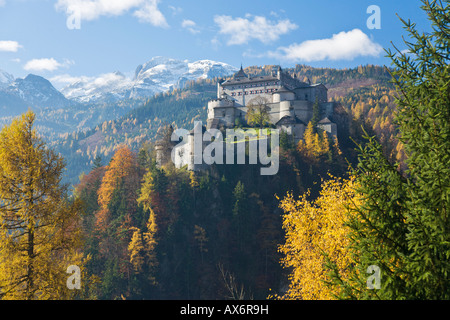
(136, 250)
(315, 147)
(150, 241)
(142, 249)
(315, 232)
(39, 228)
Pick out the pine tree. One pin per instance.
(97, 163)
(315, 115)
(402, 226)
(39, 227)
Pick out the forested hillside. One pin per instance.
(365, 93)
(211, 234)
(154, 232)
(360, 215)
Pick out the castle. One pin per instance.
(288, 101)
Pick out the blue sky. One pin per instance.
(65, 39)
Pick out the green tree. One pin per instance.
(315, 115)
(402, 225)
(97, 163)
(39, 227)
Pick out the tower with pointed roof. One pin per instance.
(290, 103)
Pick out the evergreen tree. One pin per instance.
(402, 226)
(315, 115)
(97, 163)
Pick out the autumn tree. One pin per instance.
(160, 192)
(316, 234)
(317, 148)
(119, 184)
(117, 215)
(39, 226)
(258, 112)
(142, 249)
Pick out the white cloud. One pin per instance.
(46, 64)
(175, 10)
(2, 3)
(190, 25)
(242, 30)
(341, 46)
(145, 10)
(150, 13)
(9, 46)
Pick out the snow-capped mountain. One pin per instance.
(5, 79)
(35, 92)
(38, 92)
(106, 87)
(157, 75)
(160, 74)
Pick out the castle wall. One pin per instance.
(329, 127)
(283, 96)
(243, 93)
(285, 109)
(274, 112)
(225, 115)
(295, 130)
(327, 109)
(303, 110)
(311, 93)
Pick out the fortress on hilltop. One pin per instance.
(289, 101)
(289, 104)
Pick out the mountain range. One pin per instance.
(17, 95)
(160, 74)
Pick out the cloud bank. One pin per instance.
(341, 46)
(88, 10)
(242, 30)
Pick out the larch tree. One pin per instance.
(316, 236)
(115, 219)
(120, 183)
(39, 226)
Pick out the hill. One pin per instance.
(365, 93)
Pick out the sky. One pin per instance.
(63, 40)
